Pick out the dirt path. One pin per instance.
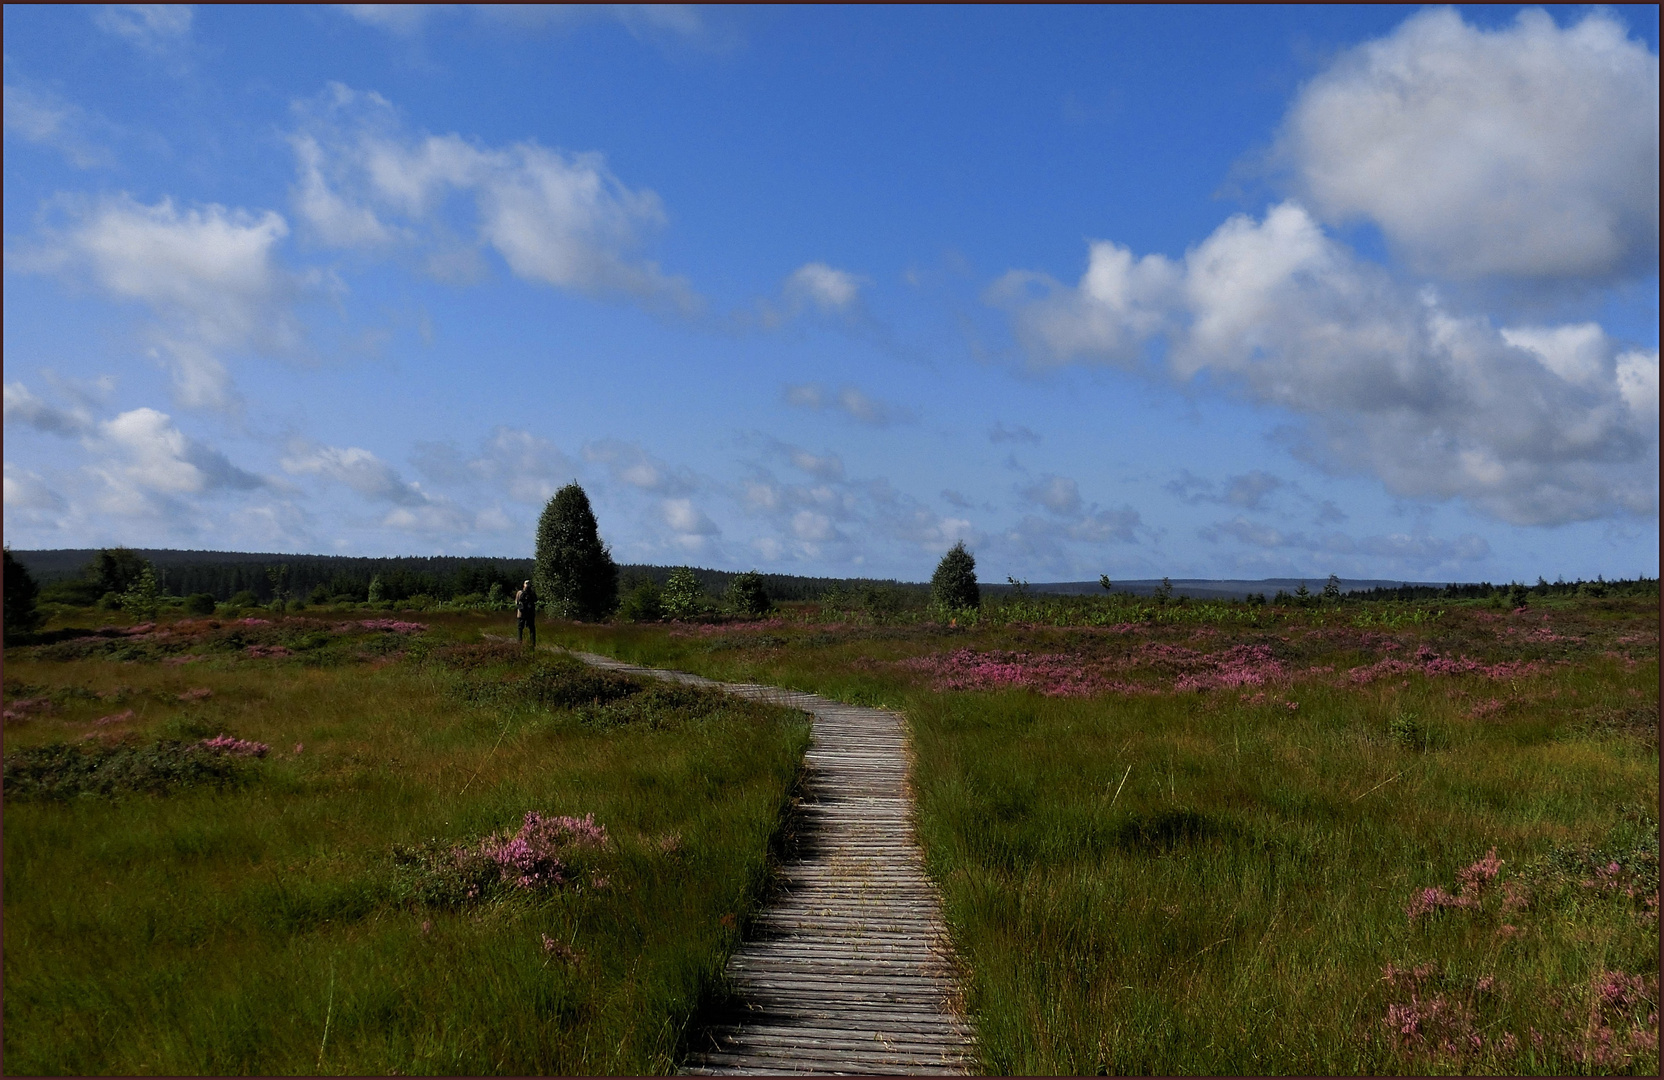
(848, 970)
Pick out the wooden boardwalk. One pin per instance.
(848, 970)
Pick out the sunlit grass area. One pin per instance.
(306, 907)
(1319, 841)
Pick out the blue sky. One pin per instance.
(1225, 292)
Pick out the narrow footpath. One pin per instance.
(848, 969)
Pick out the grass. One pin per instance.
(270, 925)
(1194, 845)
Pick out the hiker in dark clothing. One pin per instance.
(525, 613)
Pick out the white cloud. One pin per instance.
(1637, 372)
(848, 400)
(630, 464)
(1531, 425)
(209, 275)
(1059, 494)
(402, 19)
(661, 22)
(149, 469)
(1417, 553)
(46, 119)
(687, 519)
(356, 468)
(153, 28)
(1248, 490)
(1527, 151)
(28, 493)
(525, 468)
(560, 219)
(826, 288)
(23, 407)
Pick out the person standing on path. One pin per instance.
(525, 613)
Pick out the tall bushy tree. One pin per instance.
(746, 594)
(682, 596)
(953, 586)
(117, 569)
(575, 573)
(20, 614)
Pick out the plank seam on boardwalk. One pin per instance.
(849, 969)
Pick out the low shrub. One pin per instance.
(65, 771)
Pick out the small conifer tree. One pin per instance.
(746, 595)
(575, 574)
(953, 586)
(144, 597)
(1331, 589)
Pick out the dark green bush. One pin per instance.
(199, 604)
(244, 598)
(746, 595)
(63, 771)
(953, 586)
(21, 593)
(644, 603)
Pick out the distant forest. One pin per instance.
(68, 574)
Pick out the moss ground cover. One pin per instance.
(339, 844)
(1344, 839)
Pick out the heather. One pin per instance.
(1332, 838)
(304, 843)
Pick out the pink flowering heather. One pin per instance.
(1429, 663)
(1472, 883)
(22, 707)
(114, 718)
(1054, 675)
(196, 693)
(252, 621)
(225, 744)
(394, 625)
(530, 859)
(267, 651)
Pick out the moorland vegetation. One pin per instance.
(1313, 833)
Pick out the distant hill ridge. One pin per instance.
(223, 573)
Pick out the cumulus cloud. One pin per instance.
(1248, 490)
(1059, 494)
(849, 400)
(23, 407)
(1534, 425)
(823, 287)
(356, 468)
(28, 493)
(152, 28)
(1529, 151)
(630, 464)
(659, 22)
(559, 219)
(687, 519)
(1418, 553)
(523, 467)
(209, 275)
(837, 518)
(46, 119)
